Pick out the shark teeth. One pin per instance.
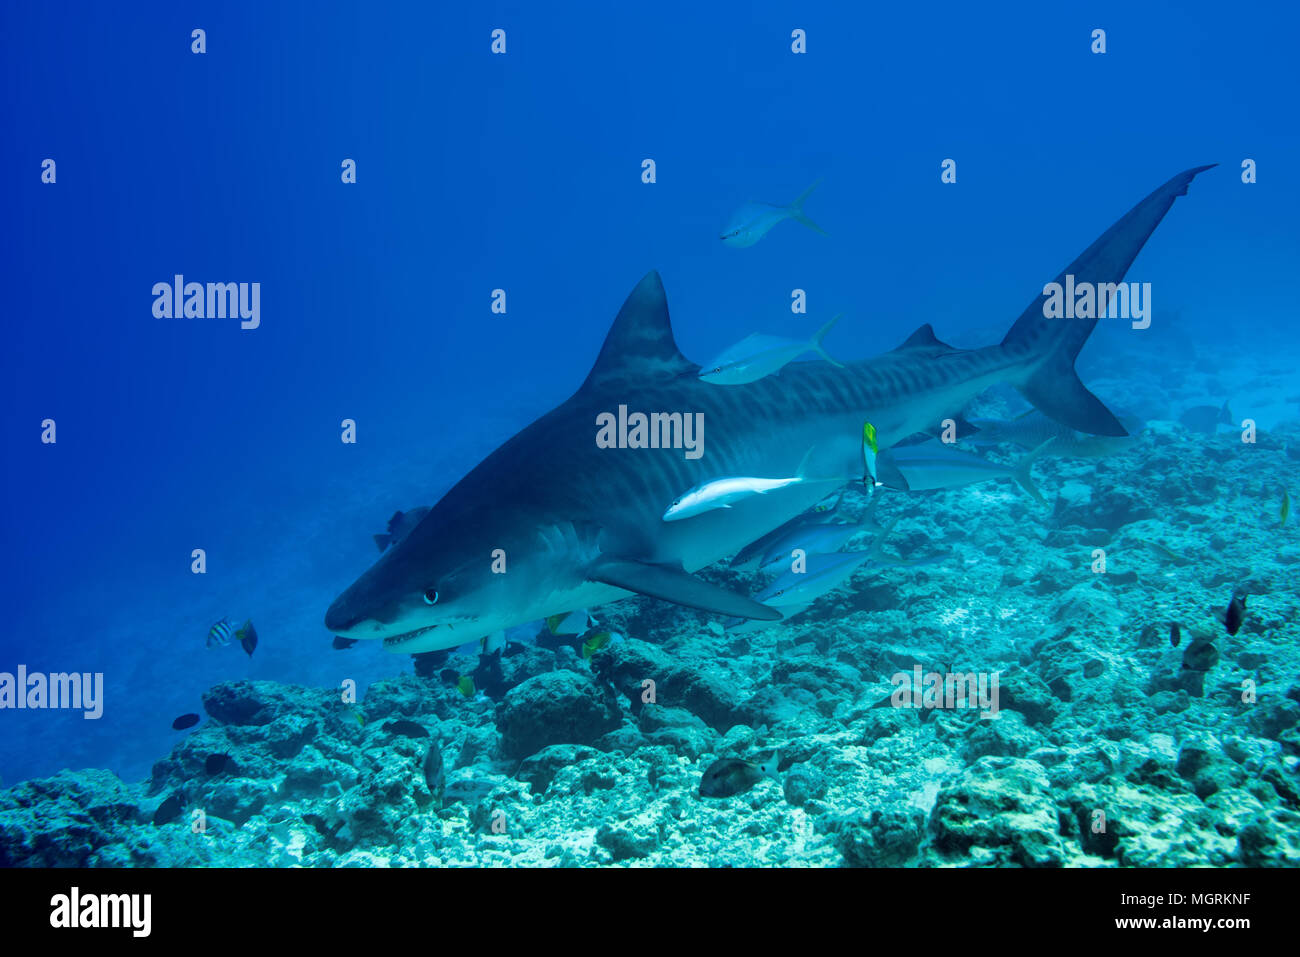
(394, 640)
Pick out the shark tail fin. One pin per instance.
(1024, 476)
(797, 213)
(816, 344)
(1047, 347)
(1056, 389)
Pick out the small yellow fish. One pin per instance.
(1286, 506)
(361, 719)
(596, 642)
(465, 686)
(869, 450)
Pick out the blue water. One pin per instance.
(523, 172)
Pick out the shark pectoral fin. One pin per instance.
(888, 474)
(676, 586)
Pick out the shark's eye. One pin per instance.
(779, 594)
(431, 597)
(717, 370)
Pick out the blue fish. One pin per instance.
(752, 221)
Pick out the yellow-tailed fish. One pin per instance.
(465, 686)
(570, 623)
(869, 450)
(596, 642)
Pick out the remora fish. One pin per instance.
(593, 531)
(752, 221)
(726, 492)
(932, 465)
(758, 356)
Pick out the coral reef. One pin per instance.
(1110, 745)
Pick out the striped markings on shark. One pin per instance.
(593, 532)
(653, 430)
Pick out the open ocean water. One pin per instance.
(435, 225)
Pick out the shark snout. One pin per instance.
(341, 617)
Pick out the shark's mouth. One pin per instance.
(393, 641)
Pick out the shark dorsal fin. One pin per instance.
(640, 344)
(924, 339)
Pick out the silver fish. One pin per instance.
(752, 221)
(934, 465)
(758, 356)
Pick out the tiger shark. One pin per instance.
(553, 520)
